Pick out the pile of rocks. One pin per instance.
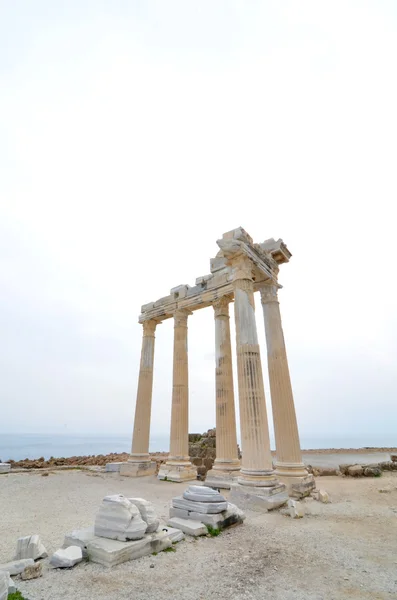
(200, 508)
(26, 563)
(124, 529)
(356, 470)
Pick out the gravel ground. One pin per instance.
(347, 549)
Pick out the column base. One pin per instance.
(296, 478)
(258, 498)
(171, 471)
(221, 479)
(138, 469)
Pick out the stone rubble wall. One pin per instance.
(355, 470)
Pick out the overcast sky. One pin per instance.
(132, 135)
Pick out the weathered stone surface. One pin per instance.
(296, 509)
(5, 467)
(32, 571)
(194, 528)
(11, 585)
(138, 469)
(355, 471)
(110, 553)
(4, 578)
(147, 512)
(372, 471)
(81, 538)
(113, 467)
(258, 498)
(303, 488)
(196, 493)
(199, 507)
(179, 512)
(30, 547)
(160, 540)
(118, 519)
(175, 535)
(66, 558)
(15, 567)
(323, 497)
(344, 469)
(393, 457)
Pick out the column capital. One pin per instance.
(180, 317)
(149, 327)
(269, 292)
(221, 306)
(242, 267)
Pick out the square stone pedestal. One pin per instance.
(221, 479)
(258, 498)
(171, 472)
(138, 469)
(298, 487)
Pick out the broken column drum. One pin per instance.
(240, 269)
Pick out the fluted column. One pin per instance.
(226, 463)
(178, 466)
(289, 457)
(139, 462)
(256, 468)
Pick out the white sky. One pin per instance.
(133, 134)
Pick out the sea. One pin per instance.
(18, 446)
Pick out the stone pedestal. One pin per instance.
(178, 466)
(139, 463)
(138, 469)
(227, 464)
(289, 465)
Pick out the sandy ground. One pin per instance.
(343, 550)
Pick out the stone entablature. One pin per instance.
(265, 259)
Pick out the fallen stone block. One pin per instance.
(344, 469)
(372, 471)
(355, 471)
(4, 577)
(302, 489)
(258, 498)
(81, 538)
(113, 467)
(109, 553)
(30, 546)
(296, 509)
(393, 457)
(200, 507)
(5, 467)
(11, 585)
(179, 512)
(323, 497)
(147, 512)
(194, 528)
(66, 558)
(160, 541)
(120, 520)
(197, 493)
(15, 567)
(32, 571)
(175, 535)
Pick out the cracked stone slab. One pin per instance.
(194, 528)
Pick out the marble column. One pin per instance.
(226, 464)
(289, 465)
(257, 479)
(178, 466)
(139, 462)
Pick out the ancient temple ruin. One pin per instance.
(240, 269)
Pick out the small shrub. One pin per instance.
(170, 549)
(16, 596)
(154, 553)
(213, 531)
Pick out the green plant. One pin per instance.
(213, 531)
(15, 596)
(170, 549)
(154, 553)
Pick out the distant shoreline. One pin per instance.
(103, 459)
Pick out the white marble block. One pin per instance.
(147, 512)
(4, 576)
(194, 528)
(199, 507)
(113, 467)
(81, 538)
(118, 519)
(30, 546)
(66, 558)
(15, 567)
(11, 585)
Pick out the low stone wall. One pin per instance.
(356, 470)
